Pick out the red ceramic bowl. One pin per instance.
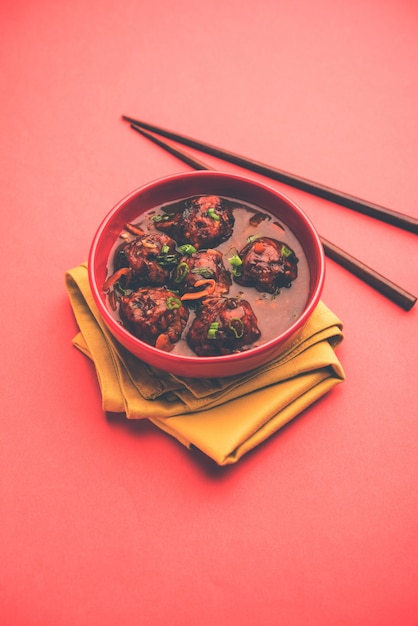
(174, 188)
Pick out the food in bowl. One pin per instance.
(223, 326)
(206, 275)
(204, 221)
(225, 269)
(154, 314)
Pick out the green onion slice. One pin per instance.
(235, 260)
(187, 248)
(160, 218)
(181, 272)
(173, 302)
(213, 330)
(236, 263)
(166, 259)
(206, 272)
(213, 214)
(237, 327)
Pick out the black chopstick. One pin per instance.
(383, 285)
(384, 214)
(380, 283)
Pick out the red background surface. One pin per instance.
(108, 522)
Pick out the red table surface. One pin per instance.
(109, 522)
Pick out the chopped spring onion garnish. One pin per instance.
(286, 251)
(187, 248)
(235, 260)
(166, 259)
(181, 272)
(212, 213)
(119, 288)
(213, 330)
(160, 218)
(173, 303)
(237, 327)
(165, 249)
(206, 272)
(236, 263)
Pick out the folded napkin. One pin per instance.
(222, 417)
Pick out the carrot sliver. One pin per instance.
(115, 277)
(135, 230)
(210, 288)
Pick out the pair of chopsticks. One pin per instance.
(380, 283)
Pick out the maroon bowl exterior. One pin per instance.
(176, 187)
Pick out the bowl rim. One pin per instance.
(134, 344)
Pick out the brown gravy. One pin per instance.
(275, 313)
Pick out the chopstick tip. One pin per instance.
(131, 120)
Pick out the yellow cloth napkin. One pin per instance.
(222, 417)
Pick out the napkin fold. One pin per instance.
(222, 417)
